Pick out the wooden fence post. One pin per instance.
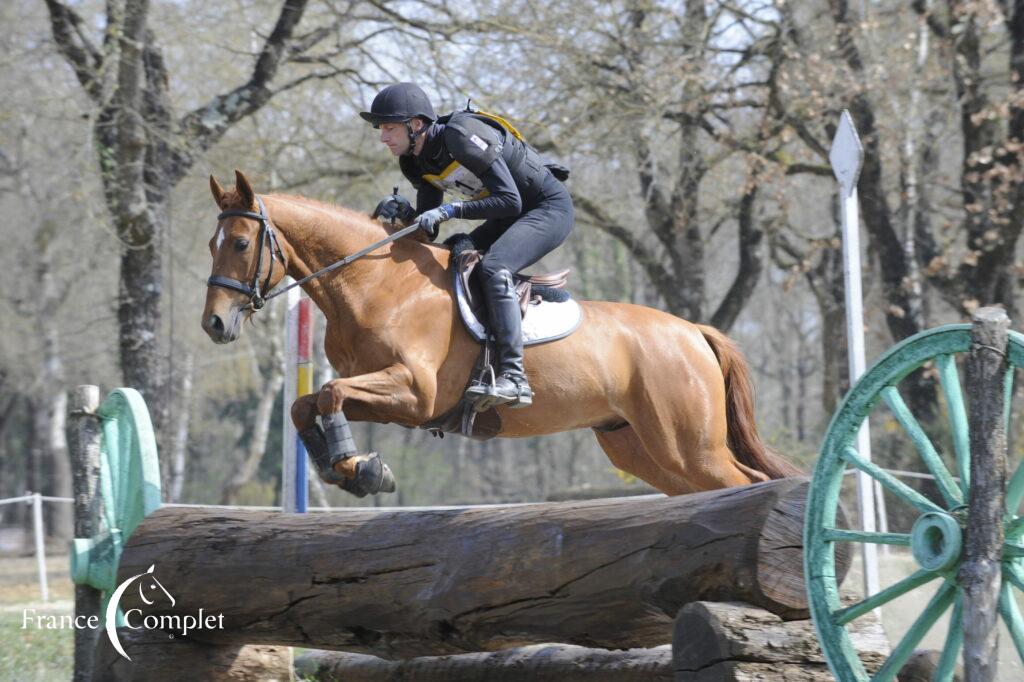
(85, 457)
(980, 572)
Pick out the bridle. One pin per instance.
(253, 290)
(256, 294)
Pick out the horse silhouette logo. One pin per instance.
(148, 587)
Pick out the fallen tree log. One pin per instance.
(732, 642)
(537, 663)
(397, 584)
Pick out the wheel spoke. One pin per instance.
(1012, 572)
(950, 380)
(1015, 528)
(1015, 489)
(902, 652)
(843, 535)
(946, 666)
(854, 611)
(911, 496)
(943, 479)
(1012, 551)
(1011, 616)
(1007, 398)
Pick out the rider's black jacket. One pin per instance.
(496, 174)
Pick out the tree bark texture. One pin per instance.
(605, 573)
(980, 573)
(86, 452)
(732, 642)
(537, 663)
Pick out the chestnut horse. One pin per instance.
(669, 401)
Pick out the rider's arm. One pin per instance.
(502, 202)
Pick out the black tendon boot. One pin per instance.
(510, 385)
(333, 444)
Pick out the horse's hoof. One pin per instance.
(372, 476)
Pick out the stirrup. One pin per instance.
(486, 395)
(524, 394)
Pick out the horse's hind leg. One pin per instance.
(627, 453)
(685, 435)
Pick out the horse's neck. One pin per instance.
(316, 237)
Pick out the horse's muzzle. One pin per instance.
(220, 331)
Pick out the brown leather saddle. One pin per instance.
(470, 300)
(529, 288)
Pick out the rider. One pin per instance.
(502, 180)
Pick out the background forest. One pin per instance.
(697, 133)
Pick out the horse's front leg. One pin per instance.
(387, 395)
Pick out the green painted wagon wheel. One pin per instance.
(129, 488)
(935, 539)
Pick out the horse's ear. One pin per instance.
(217, 191)
(244, 189)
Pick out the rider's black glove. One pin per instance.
(394, 208)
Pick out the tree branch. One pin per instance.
(84, 59)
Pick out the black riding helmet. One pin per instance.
(398, 103)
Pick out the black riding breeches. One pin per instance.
(517, 243)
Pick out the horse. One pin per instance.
(669, 401)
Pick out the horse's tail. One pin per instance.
(743, 438)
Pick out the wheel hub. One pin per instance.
(936, 541)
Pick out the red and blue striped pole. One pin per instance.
(303, 386)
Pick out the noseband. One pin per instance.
(255, 293)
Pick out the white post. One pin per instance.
(846, 157)
(291, 330)
(37, 524)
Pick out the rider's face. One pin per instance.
(396, 138)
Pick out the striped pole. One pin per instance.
(303, 386)
(298, 381)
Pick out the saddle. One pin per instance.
(549, 313)
(465, 266)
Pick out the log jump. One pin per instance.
(399, 584)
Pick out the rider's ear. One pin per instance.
(217, 191)
(244, 189)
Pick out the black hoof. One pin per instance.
(372, 476)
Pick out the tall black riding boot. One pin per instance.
(510, 385)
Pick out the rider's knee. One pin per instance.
(491, 266)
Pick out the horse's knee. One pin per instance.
(331, 397)
(304, 412)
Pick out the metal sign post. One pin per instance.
(847, 157)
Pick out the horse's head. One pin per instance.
(247, 260)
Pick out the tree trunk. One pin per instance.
(402, 584)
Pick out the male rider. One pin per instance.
(498, 178)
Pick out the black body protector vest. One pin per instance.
(469, 144)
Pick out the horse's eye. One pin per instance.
(241, 245)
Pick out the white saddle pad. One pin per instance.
(544, 321)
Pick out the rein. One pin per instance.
(256, 298)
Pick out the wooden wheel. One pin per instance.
(935, 538)
(129, 484)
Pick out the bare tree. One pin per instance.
(143, 149)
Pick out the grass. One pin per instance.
(31, 653)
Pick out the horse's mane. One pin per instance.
(233, 199)
(341, 211)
